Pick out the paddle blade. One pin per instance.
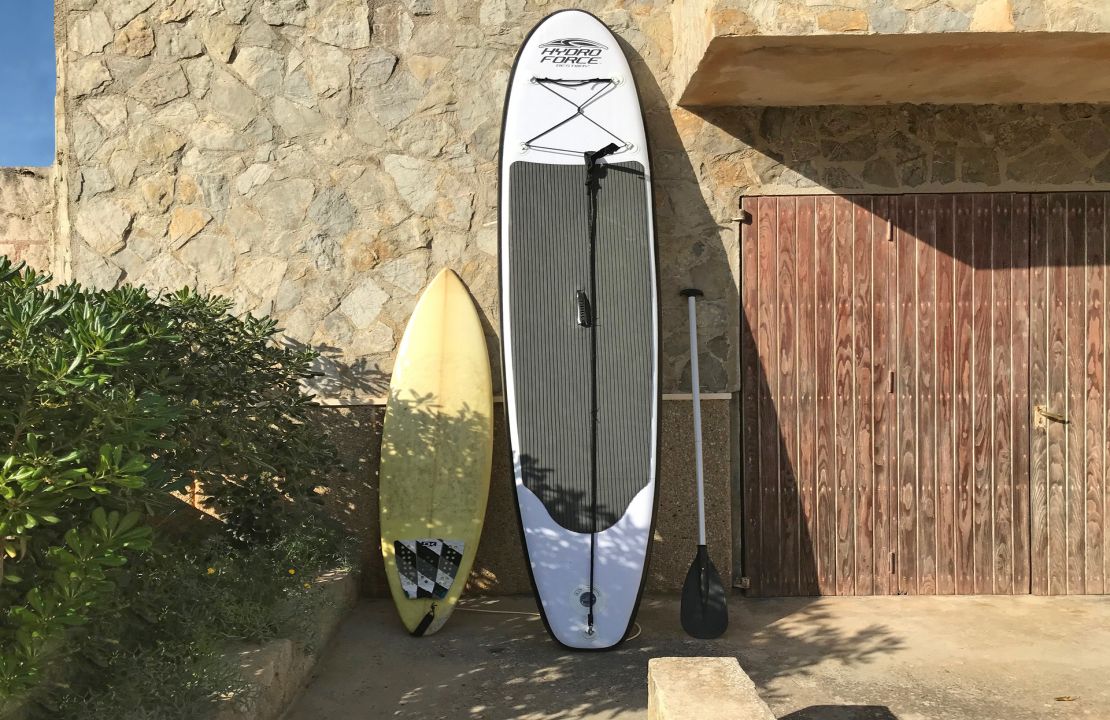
(704, 603)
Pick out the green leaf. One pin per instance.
(129, 521)
(100, 519)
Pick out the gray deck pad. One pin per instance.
(549, 256)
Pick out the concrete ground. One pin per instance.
(903, 658)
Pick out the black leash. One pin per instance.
(593, 185)
(425, 622)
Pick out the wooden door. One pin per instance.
(1068, 332)
(893, 349)
(817, 413)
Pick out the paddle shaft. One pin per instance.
(695, 383)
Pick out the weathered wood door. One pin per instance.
(894, 352)
(1068, 332)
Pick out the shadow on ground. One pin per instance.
(494, 661)
(842, 712)
(882, 658)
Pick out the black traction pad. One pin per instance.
(549, 268)
(427, 567)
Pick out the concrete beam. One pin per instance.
(696, 688)
(940, 68)
(878, 52)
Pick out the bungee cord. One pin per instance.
(607, 85)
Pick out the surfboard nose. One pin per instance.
(446, 276)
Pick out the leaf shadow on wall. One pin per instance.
(336, 377)
(356, 432)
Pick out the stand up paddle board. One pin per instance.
(579, 321)
(437, 449)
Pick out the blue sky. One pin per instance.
(26, 82)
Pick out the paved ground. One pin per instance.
(900, 658)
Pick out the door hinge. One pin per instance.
(744, 583)
(891, 382)
(889, 231)
(893, 563)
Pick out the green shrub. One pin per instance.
(185, 605)
(75, 465)
(110, 400)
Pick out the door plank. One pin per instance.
(807, 396)
(964, 275)
(1057, 394)
(845, 397)
(788, 397)
(1094, 415)
(884, 399)
(982, 291)
(770, 439)
(926, 395)
(825, 536)
(945, 405)
(907, 396)
(1076, 520)
(1105, 240)
(1020, 405)
(1003, 387)
(751, 388)
(864, 384)
(1038, 392)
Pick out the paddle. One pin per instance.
(704, 605)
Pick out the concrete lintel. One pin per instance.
(695, 688)
(995, 68)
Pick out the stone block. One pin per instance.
(104, 225)
(136, 39)
(88, 77)
(160, 85)
(696, 688)
(842, 20)
(122, 12)
(89, 33)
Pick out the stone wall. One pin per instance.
(904, 149)
(319, 159)
(27, 216)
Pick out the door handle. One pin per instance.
(1043, 415)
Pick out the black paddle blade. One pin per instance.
(704, 603)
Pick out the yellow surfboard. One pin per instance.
(437, 448)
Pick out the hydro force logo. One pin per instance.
(571, 51)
